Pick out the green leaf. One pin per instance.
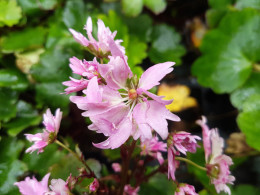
(132, 8)
(10, 168)
(74, 15)
(136, 51)
(10, 13)
(26, 116)
(166, 45)
(53, 66)
(41, 163)
(9, 173)
(32, 7)
(95, 166)
(140, 26)
(158, 184)
(10, 148)
(229, 52)
(29, 38)
(245, 189)
(219, 3)
(50, 94)
(214, 16)
(241, 4)
(156, 6)
(13, 78)
(8, 98)
(248, 120)
(112, 154)
(239, 96)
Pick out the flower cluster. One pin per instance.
(118, 104)
(217, 163)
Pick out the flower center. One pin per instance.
(132, 94)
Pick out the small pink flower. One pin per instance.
(32, 186)
(217, 163)
(75, 85)
(153, 147)
(116, 167)
(52, 125)
(172, 163)
(129, 190)
(94, 185)
(185, 189)
(185, 142)
(99, 48)
(58, 187)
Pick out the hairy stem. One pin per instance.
(190, 162)
(125, 167)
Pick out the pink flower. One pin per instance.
(94, 185)
(172, 163)
(153, 147)
(129, 190)
(116, 167)
(86, 69)
(185, 189)
(58, 187)
(33, 186)
(185, 142)
(101, 47)
(52, 125)
(217, 163)
(128, 112)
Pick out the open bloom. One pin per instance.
(217, 163)
(153, 147)
(33, 186)
(185, 189)
(129, 190)
(52, 125)
(101, 47)
(122, 105)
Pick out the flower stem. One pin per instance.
(75, 154)
(190, 162)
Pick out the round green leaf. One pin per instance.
(32, 7)
(13, 78)
(29, 38)
(229, 52)
(156, 6)
(249, 122)
(132, 8)
(239, 96)
(10, 13)
(166, 45)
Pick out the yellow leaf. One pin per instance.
(181, 96)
